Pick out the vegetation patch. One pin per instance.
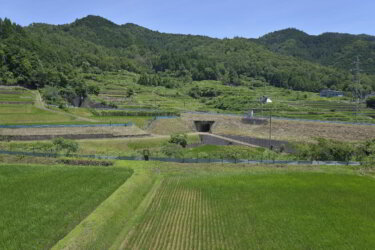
(41, 204)
(85, 162)
(135, 113)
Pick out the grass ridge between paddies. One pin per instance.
(115, 217)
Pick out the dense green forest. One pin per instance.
(330, 49)
(55, 56)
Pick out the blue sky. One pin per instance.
(220, 18)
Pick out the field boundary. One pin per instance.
(187, 160)
(102, 227)
(121, 239)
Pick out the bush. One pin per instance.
(370, 102)
(327, 150)
(85, 162)
(137, 113)
(93, 89)
(179, 139)
(366, 151)
(52, 95)
(65, 145)
(197, 92)
(172, 150)
(129, 92)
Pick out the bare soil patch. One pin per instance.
(285, 130)
(171, 126)
(115, 131)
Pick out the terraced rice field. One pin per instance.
(18, 106)
(180, 218)
(15, 95)
(40, 204)
(259, 211)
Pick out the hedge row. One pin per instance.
(136, 113)
(84, 162)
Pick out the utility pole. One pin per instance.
(357, 81)
(270, 133)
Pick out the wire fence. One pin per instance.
(183, 160)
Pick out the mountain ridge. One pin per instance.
(44, 55)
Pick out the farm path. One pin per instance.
(230, 140)
(40, 105)
(209, 134)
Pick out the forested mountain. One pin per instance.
(330, 49)
(55, 55)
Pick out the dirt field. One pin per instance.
(117, 131)
(170, 126)
(285, 130)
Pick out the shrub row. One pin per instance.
(84, 162)
(136, 113)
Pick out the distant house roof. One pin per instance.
(265, 99)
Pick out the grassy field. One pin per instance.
(23, 113)
(40, 204)
(16, 96)
(187, 206)
(171, 126)
(29, 114)
(254, 208)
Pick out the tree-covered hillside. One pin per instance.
(56, 55)
(330, 49)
